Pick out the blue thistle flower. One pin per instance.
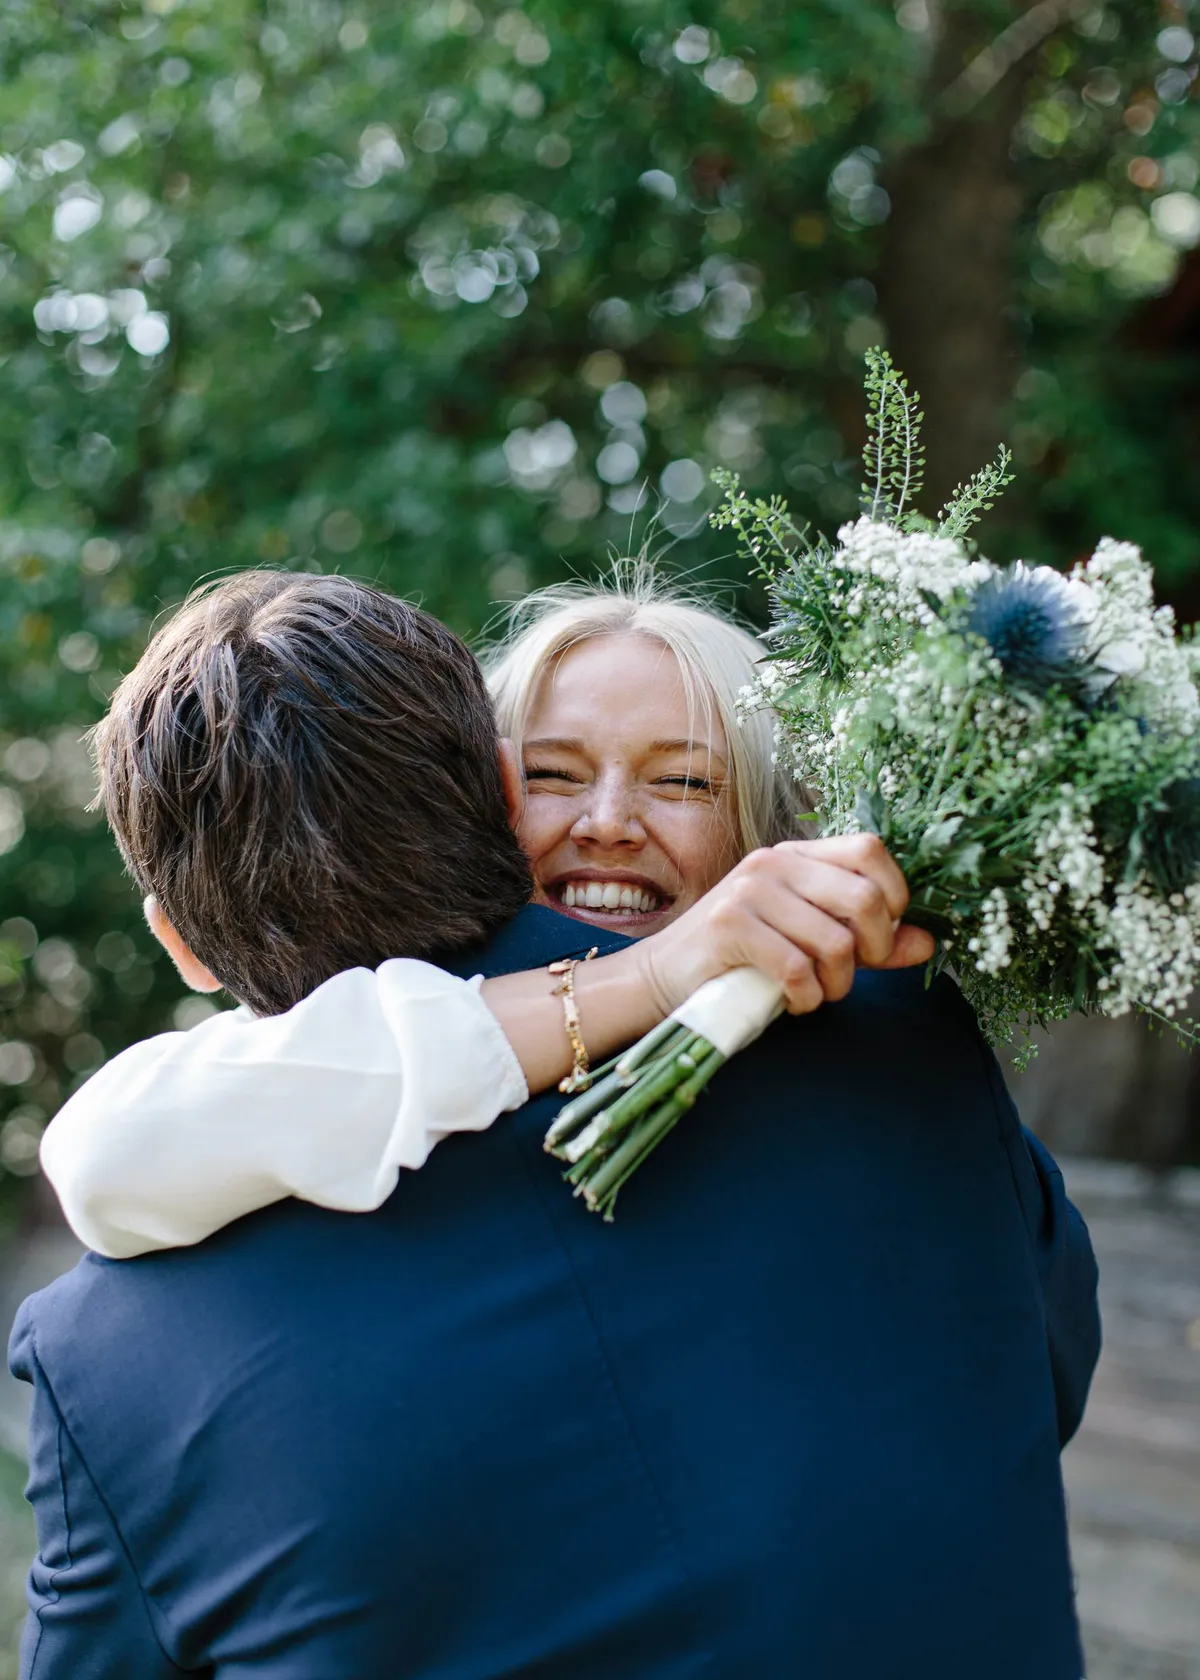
(1031, 626)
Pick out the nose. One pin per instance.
(609, 816)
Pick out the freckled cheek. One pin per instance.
(544, 824)
(702, 849)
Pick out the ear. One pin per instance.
(512, 775)
(191, 970)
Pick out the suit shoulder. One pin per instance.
(89, 1313)
(61, 1313)
(890, 1024)
(121, 1338)
(904, 999)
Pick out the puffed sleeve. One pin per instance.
(177, 1136)
(88, 1617)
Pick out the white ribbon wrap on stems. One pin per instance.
(732, 1010)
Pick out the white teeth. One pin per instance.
(607, 895)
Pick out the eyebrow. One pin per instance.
(686, 746)
(572, 744)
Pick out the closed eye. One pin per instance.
(540, 773)
(700, 782)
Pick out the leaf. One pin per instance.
(936, 839)
(964, 861)
(793, 694)
(871, 812)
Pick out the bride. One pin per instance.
(649, 809)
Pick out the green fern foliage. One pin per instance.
(973, 499)
(894, 460)
(768, 534)
(799, 569)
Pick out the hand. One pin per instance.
(807, 913)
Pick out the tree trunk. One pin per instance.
(947, 271)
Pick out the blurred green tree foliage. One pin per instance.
(457, 294)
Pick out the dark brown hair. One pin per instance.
(304, 772)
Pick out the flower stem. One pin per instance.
(943, 770)
(656, 1083)
(645, 1047)
(626, 1073)
(599, 1187)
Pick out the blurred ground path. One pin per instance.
(1133, 1474)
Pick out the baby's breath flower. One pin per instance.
(993, 943)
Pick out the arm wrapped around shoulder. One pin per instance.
(329, 1101)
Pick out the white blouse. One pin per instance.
(177, 1136)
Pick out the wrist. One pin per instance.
(658, 969)
(621, 996)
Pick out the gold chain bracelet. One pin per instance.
(581, 1067)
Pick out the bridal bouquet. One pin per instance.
(1026, 744)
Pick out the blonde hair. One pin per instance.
(717, 659)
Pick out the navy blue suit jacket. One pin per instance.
(798, 1413)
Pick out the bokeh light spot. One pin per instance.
(148, 334)
(682, 480)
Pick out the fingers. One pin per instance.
(806, 913)
(793, 969)
(779, 881)
(828, 944)
(856, 900)
(862, 854)
(823, 971)
(912, 946)
(768, 927)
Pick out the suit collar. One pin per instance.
(535, 936)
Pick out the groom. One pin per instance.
(798, 1414)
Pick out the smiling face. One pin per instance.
(629, 816)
